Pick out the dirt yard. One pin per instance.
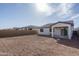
(34, 45)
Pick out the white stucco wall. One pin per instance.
(46, 31)
(70, 29)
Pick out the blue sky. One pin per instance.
(20, 14)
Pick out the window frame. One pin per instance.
(41, 30)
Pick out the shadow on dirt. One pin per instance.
(74, 42)
(70, 43)
(48, 36)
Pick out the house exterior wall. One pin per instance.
(46, 31)
(70, 30)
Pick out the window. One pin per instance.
(50, 30)
(41, 30)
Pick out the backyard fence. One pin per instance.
(10, 33)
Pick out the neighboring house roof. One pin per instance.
(51, 24)
(33, 27)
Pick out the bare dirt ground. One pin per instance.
(34, 45)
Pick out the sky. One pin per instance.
(24, 14)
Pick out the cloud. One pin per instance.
(63, 10)
(60, 12)
(50, 11)
(73, 17)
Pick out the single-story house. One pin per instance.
(59, 29)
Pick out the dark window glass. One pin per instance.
(41, 30)
(30, 28)
(50, 30)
